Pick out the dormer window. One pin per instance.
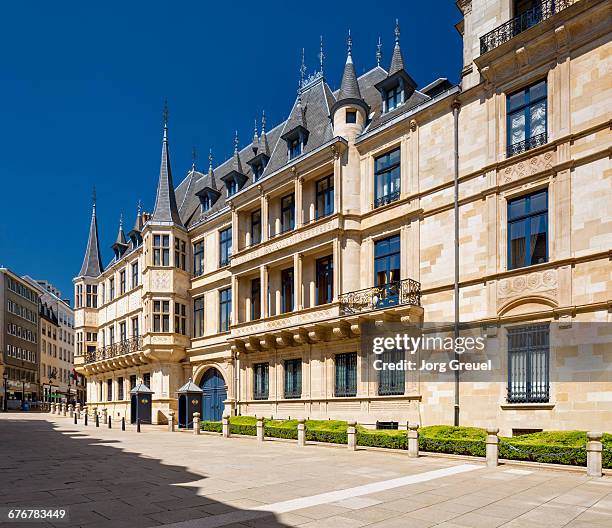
(232, 188)
(205, 203)
(295, 148)
(393, 98)
(234, 180)
(258, 169)
(296, 139)
(351, 116)
(208, 196)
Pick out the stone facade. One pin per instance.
(571, 284)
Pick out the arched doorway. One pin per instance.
(214, 395)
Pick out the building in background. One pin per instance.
(257, 276)
(58, 378)
(19, 340)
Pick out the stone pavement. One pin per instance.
(114, 478)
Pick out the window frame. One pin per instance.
(327, 196)
(225, 309)
(292, 386)
(526, 218)
(529, 348)
(326, 272)
(345, 386)
(386, 175)
(287, 287)
(198, 316)
(261, 381)
(254, 215)
(161, 250)
(225, 246)
(161, 316)
(287, 208)
(530, 141)
(198, 258)
(255, 299)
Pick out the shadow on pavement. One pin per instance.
(103, 486)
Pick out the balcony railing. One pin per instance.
(524, 21)
(395, 293)
(527, 144)
(386, 199)
(121, 348)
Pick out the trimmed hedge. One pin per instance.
(559, 447)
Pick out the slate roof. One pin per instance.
(166, 210)
(141, 388)
(92, 263)
(191, 387)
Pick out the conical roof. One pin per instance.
(397, 61)
(141, 388)
(92, 262)
(349, 87)
(189, 387)
(121, 240)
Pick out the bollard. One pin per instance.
(52, 408)
(492, 449)
(260, 429)
(85, 418)
(123, 423)
(413, 440)
(196, 423)
(70, 410)
(138, 425)
(171, 421)
(75, 418)
(78, 410)
(64, 410)
(351, 435)
(97, 420)
(105, 415)
(594, 449)
(301, 433)
(225, 428)
(109, 422)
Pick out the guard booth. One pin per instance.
(189, 401)
(141, 404)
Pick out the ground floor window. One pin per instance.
(293, 378)
(261, 382)
(120, 395)
(528, 364)
(346, 374)
(391, 381)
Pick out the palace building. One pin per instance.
(485, 202)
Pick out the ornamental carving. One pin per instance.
(285, 322)
(536, 282)
(161, 280)
(533, 165)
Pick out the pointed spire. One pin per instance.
(194, 155)
(302, 71)
(349, 88)
(237, 163)
(121, 240)
(378, 52)
(397, 61)
(92, 262)
(134, 234)
(263, 139)
(211, 172)
(255, 144)
(165, 210)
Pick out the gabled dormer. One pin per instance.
(261, 151)
(120, 246)
(296, 130)
(398, 86)
(209, 194)
(235, 179)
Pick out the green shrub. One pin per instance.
(214, 427)
(386, 438)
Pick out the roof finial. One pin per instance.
(321, 55)
(93, 199)
(139, 208)
(349, 43)
(210, 160)
(194, 155)
(263, 121)
(397, 31)
(378, 52)
(302, 70)
(120, 221)
(165, 113)
(236, 142)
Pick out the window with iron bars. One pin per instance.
(293, 378)
(528, 364)
(391, 381)
(261, 381)
(346, 374)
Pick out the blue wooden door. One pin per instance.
(214, 395)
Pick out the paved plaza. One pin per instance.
(115, 478)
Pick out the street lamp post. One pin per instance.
(5, 376)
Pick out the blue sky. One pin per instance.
(82, 86)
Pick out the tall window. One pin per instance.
(325, 280)
(393, 98)
(526, 119)
(528, 230)
(225, 246)
(198, 317)
(122, 285)
(528, 364)
(92, 296)
(287, 212)
(258, 169)
(111, 288)
(109, 389)
(287, 290)
(180, 254)
(387, 178)
(346, 374)
(161, 316)
(255, 299)
(180, 318)
(256, 227)
(79, 296)
(293, 378)
(198, 258)
(387, 270)
(225, 309)
(132, 382)
(161, 250)
(135, 329)
(111, 335)
(391, 381)
(324, 197)
(261, 381)
(295, 147)
(120, 394)
(146, 379)
(135, 274)
(122, 331)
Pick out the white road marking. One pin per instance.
(322, 498)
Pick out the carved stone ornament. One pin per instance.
(528, 167)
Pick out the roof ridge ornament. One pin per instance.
(194, 155)
(397, 31)
(321, 55)
(349, 43)
(378, 52)
(302, 70)
(255, 138)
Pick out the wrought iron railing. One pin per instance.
(386, 199)
(395, 293)
(527, 144)
(522, 22)
(121, 348)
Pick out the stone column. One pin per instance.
(337, 255)
(264, 217)
(413, 440)
(196, 423)
(235, 300)
(235, 224)
(492, 449)
(226, 426)
(351, 435)
(260, 429)
(297, 281)
(301, 433)
(337, 181)
(171, 421)
(263, 276)
(594, 449)
(299, 209)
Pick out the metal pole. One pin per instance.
(138, 425)
(109, 422)
(97, 420)
(456, 105)
(86, 417)
(123, 423)
(75, 418)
